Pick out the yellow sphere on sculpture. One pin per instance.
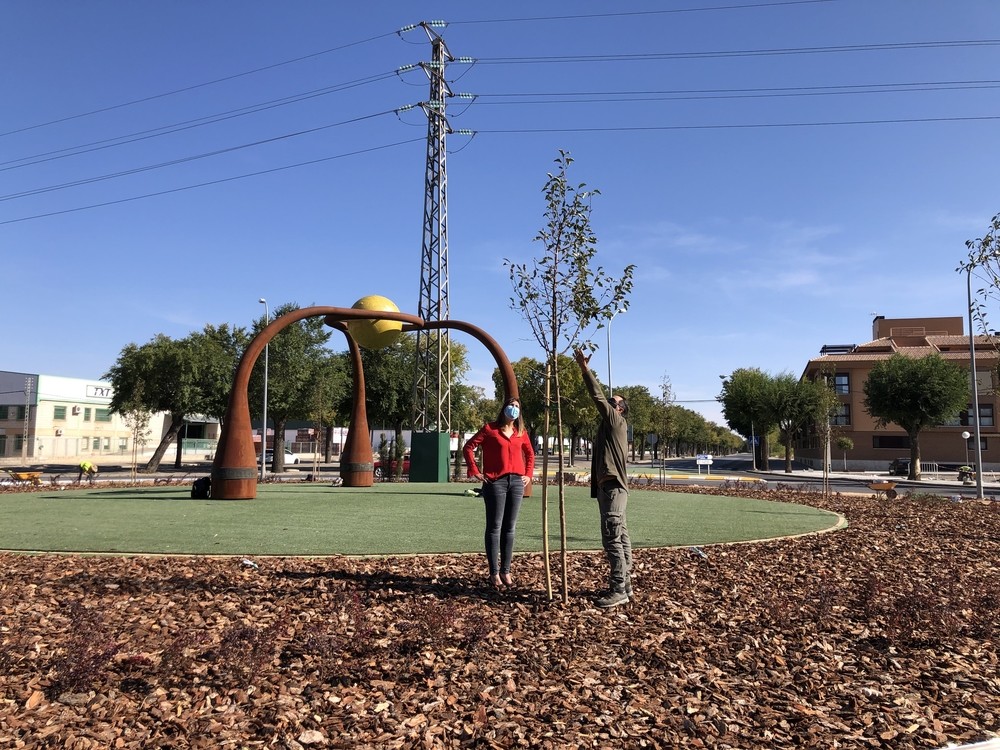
(375, 334)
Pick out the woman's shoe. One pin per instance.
(495, 581)
(506, 579)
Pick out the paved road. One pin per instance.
(740, 467)
(679, 471)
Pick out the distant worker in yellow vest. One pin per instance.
(88, 468)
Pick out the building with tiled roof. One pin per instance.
(874, 448)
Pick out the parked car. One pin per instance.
(380, 471)
(290, 458)
(901, 467)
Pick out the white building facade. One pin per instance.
(46, 418)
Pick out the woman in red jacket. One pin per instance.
(508, 465)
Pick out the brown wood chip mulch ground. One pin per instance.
(883, 634)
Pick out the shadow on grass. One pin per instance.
(175, 493)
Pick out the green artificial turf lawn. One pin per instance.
(386, 519)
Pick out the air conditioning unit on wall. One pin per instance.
(58, 433)
(76, 410)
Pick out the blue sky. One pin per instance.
(778, 172)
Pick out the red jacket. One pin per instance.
(501, 454)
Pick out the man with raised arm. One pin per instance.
(609, 484)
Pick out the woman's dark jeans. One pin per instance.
(503, 501)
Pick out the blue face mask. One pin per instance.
(511, 412)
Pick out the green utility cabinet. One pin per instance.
(430, 453)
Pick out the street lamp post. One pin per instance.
(975, 389)
(263, 423)
(611, 387)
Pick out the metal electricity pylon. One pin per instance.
(432, 381)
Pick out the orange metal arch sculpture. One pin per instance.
(234, 470)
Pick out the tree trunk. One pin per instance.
(562, 491)
(545, 488)
(327, 443)
(457, 472)
(176, 422)
(178, 456)
(788, 452)
(278, 445)
(398, 451)
(914, 454)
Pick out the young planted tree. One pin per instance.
(330, 383)
(560, 296)
(663, 419)
(136, 417)
(915, 393)
(845, 444)
(984, 261)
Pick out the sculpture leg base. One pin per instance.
(357, 478)
(233, 484)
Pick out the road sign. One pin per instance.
(703, 459)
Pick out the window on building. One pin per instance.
(122, 444)
(86, 414)
(6, 411)
(964, 418)
(59, 413)
(971, 445)
(20, 413)
(892, 442)
(842, 383)
(842, 416)
(107, 444)
(3, 445)
(18, 442)
(84, 444)
(96, 444)
(102, 415)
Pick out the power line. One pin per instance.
(192, 87)
(741, 126)
(582, 16)
(185, 159)
(211, 182)
(87, 148)
(521, 131)
(356, 43)
(698, 94)
(722, 54)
